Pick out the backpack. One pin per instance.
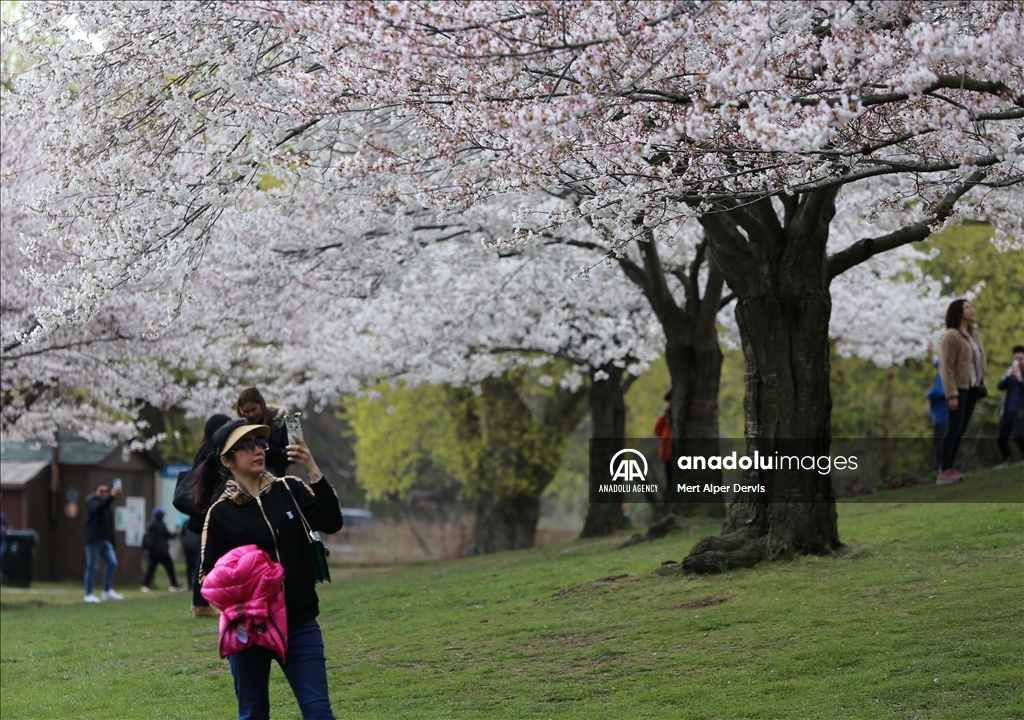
(183, 501)
(147, 540)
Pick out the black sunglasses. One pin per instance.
(250, 443)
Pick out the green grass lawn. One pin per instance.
(920, 617)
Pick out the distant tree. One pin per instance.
(501, 443)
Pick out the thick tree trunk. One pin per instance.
(608, 417)
(508, 523)
(694, 360)
(692, 353)
(783, 315)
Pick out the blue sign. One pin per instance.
(172, 471)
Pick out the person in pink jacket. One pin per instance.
(257, 508)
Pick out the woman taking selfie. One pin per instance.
(962, 367)
(253, 408)
(272, 513)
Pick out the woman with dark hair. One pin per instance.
(198, 501)
(962, 368)
(253, 408)
(202, 493)
(273, 513)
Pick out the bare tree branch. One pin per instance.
(863, 249)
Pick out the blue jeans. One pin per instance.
(93, 551)
(305, 667)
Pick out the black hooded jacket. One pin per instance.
(158, 535)
(272, 523)
(99, 523)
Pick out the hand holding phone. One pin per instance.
(291, 422)
(115, 488)
(298, 452)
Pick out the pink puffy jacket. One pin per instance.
(246, 585)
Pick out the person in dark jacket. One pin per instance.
(3, 536)
(1011, 406)
(271, 512)
(158, 551)
(3, 533)
(253, 408)
(194, 498)
(99, 540)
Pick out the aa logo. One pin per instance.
(627, 470)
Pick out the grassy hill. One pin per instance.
(919, 617)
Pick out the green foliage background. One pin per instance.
(500, 438)
(395, 429)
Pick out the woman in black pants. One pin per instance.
(962, 367)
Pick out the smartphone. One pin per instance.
(291, 422)
(117, 483)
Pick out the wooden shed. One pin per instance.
(44, 489)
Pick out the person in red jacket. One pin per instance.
(257, 508)
(663, 430)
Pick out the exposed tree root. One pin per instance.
(655, 532)
(715, 553)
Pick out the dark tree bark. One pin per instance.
(694, 359)
(692, 353)
(521, 452)
(776, 264)
(608, 417)
(504, 523)
(779, 273)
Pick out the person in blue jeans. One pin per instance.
(940, 415)
(271, 512)
(99, 541)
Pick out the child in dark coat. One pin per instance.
(158, 551)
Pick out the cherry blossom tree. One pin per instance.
(753, 118)
(460, 314)
(758, 120)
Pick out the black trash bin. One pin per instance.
(17, 561)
